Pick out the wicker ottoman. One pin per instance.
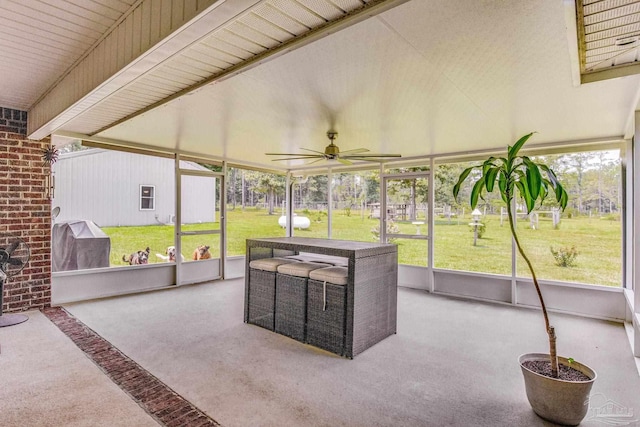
(291, 298)
(262, 291)
(326, 302)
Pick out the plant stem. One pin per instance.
(550, 329)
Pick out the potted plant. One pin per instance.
(557, 388)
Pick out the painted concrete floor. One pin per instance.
(452, 363)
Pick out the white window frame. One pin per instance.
(153, 199)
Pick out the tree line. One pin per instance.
(592, 179)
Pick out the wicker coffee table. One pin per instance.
(371, 290)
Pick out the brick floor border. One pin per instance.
(156, 398)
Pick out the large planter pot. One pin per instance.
(559, 401)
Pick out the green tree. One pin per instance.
(372, 186)
(412, 190)
(316, 190)
(444, 179)
(268, 185)
(272, 186)
(232, 187)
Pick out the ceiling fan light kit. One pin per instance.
(332, 152)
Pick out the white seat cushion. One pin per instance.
(270, 264)
(299, 269)
(326, 259)
(335, 275)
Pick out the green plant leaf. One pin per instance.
(513, 151)
(502, 185)
(502, 164)
(543, 190)
(524, 192)
(485, 168)
(564, 197)
(550, 174)
(465, 173)
(531, 188)
(490, 178)
(515, 162)
(523, 187)
(490, 161)
(558, 190)
(477, 189)
(561, 195)
(502, 181)
(518, 175)
(534, 178)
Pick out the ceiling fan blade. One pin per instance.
(374, 155)
(368, 159)
(332, 152)
(354, 151)
(313, 151)
(291, 154)
(14, 261)
(297, 158)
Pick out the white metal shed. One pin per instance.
(114, 188)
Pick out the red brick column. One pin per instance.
(25, 211)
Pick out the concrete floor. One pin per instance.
(452, 363)
(45, 380)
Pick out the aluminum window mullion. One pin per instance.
(178, 225)
(431, 194)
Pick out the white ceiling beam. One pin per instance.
(572, 40)
(134, 147)
(73, 95)
(373, 8)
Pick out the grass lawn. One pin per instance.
(598, 242)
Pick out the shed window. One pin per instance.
(147, 197)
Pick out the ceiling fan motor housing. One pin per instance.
(331, 150)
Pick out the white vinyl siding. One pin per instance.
(104, 187)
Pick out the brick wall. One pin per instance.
(25, 211)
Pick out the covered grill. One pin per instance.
(78, 245)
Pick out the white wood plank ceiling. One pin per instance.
(425, 77)
(41, 39)
(609, 37)
(232, 79)
(254, 33)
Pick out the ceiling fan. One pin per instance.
(332, 152)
